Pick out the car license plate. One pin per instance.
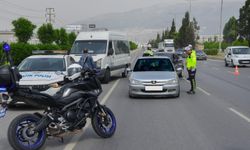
(245, 62)
(153, 88)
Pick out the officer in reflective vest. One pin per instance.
(149, 51)
(191, 68)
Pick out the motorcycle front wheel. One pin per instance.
(104, 122)
(21, 134)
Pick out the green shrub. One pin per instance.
(240, 43)
(48, 47)
(133, 45)
(215, 45)
(211, 51)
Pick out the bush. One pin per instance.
(240, 43)
(215, 45)
(133, 45)
(48, 47)
(20, 51)
(211, 51)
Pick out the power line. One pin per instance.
(18, 14)
(21, 7)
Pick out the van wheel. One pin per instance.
(106, 78)
(125, 73)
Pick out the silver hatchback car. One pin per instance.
(154, 76)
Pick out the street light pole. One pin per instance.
(220, 40)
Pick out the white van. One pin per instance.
(110, 51)
(237, 56)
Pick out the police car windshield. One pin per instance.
(154, 64)
(42, 64)
(94, 46)
(241, 51)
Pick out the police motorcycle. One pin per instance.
(65, 113)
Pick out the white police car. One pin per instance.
(40, 71)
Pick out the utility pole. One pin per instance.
(221, 10)
(50, 15)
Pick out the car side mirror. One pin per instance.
(110, 52)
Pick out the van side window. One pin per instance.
(121, 47)
(110, 45)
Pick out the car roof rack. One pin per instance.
(49, 52)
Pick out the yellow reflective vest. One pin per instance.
(148, 53)
(191, 60)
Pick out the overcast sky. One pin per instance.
(70, 11)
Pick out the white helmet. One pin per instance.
(149, 46)
(190, 45)
(187, 48)
(73, 69)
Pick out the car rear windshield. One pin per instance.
(159, 64)
(42, 64)
(241, 51)
(94, 47)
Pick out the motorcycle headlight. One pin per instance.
(133, 81)
(99, 63)
(172, 81)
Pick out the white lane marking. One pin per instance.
(109, 92)
(239, 114)
(73, 142)
(202, 90)
(216, 60)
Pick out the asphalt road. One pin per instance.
(215, 118)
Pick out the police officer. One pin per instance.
(149, 51)
(191, 68)
(86, 61)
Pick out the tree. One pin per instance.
(61, 37)
(186, 33)
(71, 37)
(172, 32)
(244, 21)
(196, 29)
(46, 33)
(23, 29)
(158, 38)
(230, 30)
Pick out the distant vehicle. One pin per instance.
(201, 55)
(237, 56)
(167, 45)
(176, 60)
(154, 76)
(39, 72)
(110, 51)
